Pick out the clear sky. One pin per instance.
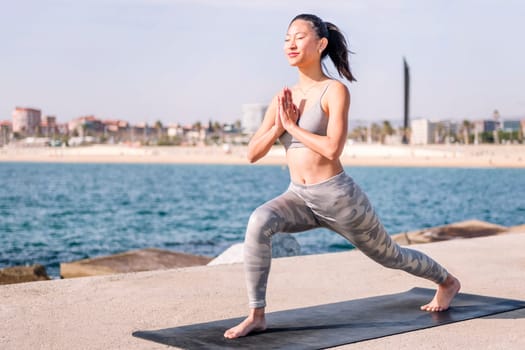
(198, 60)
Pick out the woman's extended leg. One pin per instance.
(286, 213)
(347, 210)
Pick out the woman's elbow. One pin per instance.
(332, 156)
(252, 156)
(333, 153)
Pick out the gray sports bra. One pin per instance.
(314, 120)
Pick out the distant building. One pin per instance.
(48, 126)
(486, 125)
(26, 121)
(451, 128)
(230, 128)
(51, 120)
(423, 132)
(141, 132)
(194, 135)
(111, 126)
(252, 117)
(6, 128)
(86, 126)
(116, 130)
(511, 125)
(63, 128)
(175, 130)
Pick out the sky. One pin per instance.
(182, 61)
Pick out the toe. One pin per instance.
(229, 334)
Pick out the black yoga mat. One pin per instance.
(329, 325)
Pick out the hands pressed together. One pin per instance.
(287, 112)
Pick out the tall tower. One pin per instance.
(406, 71)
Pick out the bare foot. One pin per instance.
(250, 324)
(445, 292)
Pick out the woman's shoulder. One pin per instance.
(336, 84)
(336, 88)
(336, 94)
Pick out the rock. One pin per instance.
(21, 274)
(464, 229)
(232, 255)
(132, 261)
(282, 245)
(519, 228)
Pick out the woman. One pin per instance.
(311, 120)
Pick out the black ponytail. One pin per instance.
(338, 51)
(337, 47)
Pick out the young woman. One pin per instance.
(311, 120)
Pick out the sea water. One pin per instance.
(55, 212)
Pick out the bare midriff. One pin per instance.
(308, 167)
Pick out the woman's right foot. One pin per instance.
(444, 295)
(250, 324)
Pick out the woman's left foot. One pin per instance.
(249, 325)
(446, 291)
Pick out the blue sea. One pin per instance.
(52, 213)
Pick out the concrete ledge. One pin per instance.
(102, 312)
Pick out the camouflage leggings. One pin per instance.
(339, 205)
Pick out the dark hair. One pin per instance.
(337, 47)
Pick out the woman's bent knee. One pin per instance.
(263, 221)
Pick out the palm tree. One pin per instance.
(440, 133)
(358, 134)
(158, 126)
(238, 124)
(466, 126)
(387, 130)
(83, 129)
(375, 132)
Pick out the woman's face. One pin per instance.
(302, 45)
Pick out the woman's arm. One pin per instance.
(337, 106)
(270, 129)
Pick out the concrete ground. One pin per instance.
(102, 312)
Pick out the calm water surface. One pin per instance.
(52, 213)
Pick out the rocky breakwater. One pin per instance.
(148, 259)
(283, 245)
(464, 229)
(133, 261)
(156, 259)
(21, 274)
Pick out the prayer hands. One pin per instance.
(288, 113)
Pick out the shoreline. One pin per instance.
(465, 156)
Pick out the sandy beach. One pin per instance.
(354, 154)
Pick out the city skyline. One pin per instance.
(189, 61)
